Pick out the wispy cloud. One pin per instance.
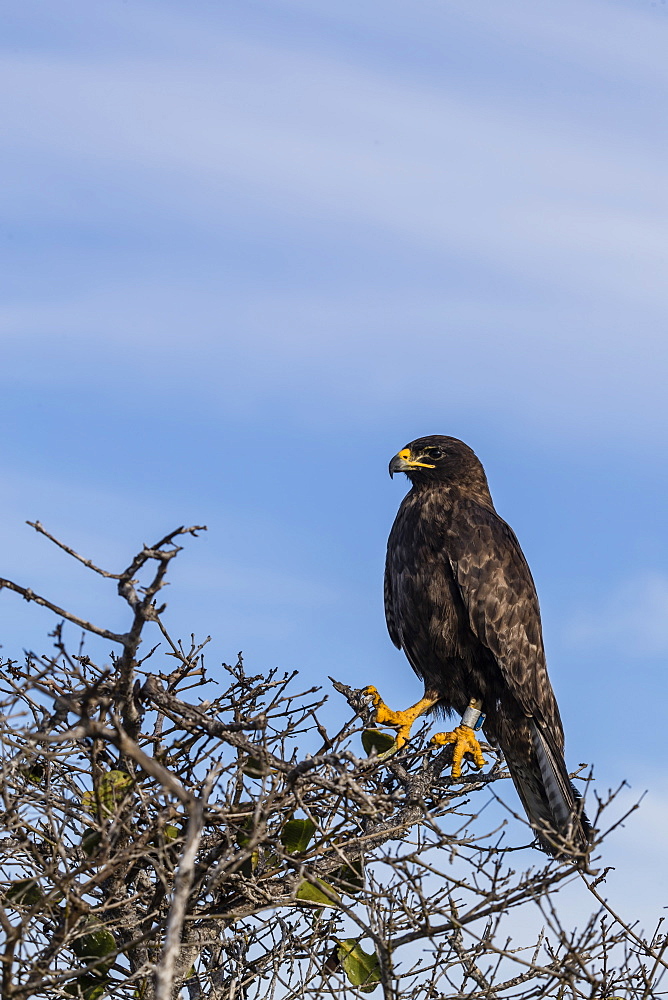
(305, 206)
(308, 134)
(631, 618)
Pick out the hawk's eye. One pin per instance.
(435, 453)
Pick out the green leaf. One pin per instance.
(26, 892)
(90, 841)
(350, 878)
(165, 836)
(111, 790)
(248, 866)
(87, 987)
(297, 834)
(270, 860)
(309, 893)
(362, 969)
(373, 740)
(244, 831)
(253, 767)
(98, 943)
(243, 825)
(33, 772)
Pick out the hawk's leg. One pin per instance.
(464, 739)
(401, 721)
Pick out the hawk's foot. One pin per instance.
(401, 721)
(465, 741)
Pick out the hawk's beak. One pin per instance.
(402, 462)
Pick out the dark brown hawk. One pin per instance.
(461, 602)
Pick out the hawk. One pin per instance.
(461, 602)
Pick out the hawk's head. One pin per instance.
(441, 459)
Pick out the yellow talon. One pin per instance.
(465, 742)
(401, 721)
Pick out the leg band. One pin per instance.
(473, 716)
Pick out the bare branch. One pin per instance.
(29, 595)
(164, 976)
(75, 555)
(232, 846)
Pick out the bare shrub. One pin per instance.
(163, 836)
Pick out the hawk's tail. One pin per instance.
(553, 806)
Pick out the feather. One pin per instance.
(565, 815)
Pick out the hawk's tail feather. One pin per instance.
(553, 806)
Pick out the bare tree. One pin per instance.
(158, 843)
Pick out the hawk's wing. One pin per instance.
(392, 625)
(400, 588)
(500, 597)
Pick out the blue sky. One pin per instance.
(251, 249)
